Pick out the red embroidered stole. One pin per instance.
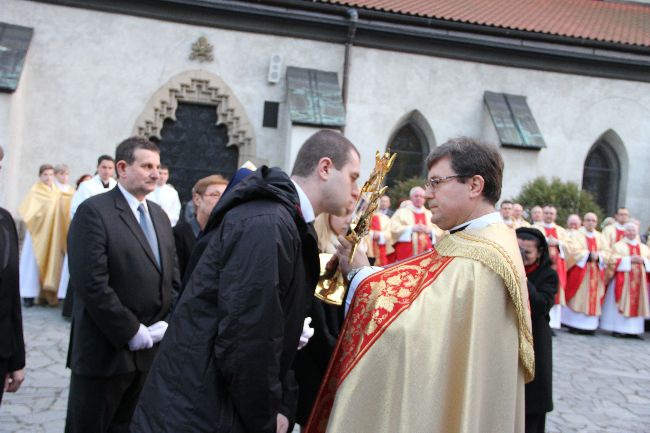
(619, 235)
(636, 273)
(423, 239)
(378, 301)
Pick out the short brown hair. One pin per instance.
(324, 143)
(104, 158)
(470, 157)
(61, 168)
(125, 150)
(202, 184)
(44, 167)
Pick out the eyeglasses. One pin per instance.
(214, 194)
(432, 183)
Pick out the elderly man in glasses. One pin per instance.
(440, 342)
(411, 227)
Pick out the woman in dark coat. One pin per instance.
(542, 286)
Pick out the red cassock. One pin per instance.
(404, 250)
(576, 275)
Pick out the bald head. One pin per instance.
(573, 222)
(631, 231)
(417, 196)
(590, 221)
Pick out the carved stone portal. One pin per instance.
(200, 87)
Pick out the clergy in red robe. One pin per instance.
(615, 232)
(586, 278)
(412, 229)
(626, 302)
(379, 240)
(558, 248)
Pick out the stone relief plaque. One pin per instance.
(202, 50)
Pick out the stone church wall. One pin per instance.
(89, 76)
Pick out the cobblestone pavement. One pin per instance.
(602, 384)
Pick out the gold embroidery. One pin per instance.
(492, 255)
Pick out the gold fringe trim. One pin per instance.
(493, 256)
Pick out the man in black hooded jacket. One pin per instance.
(224, 365)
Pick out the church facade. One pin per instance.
(221, 82)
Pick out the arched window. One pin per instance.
(602, 176)
(412, 148)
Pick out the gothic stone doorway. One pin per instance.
(193, 146)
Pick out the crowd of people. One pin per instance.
(603, 275)
(206, 320)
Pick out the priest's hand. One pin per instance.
(594, 256)
(343, 253)
(282, 424)
(420, 228)
(13, 380)
(637, 260)
(552, 242)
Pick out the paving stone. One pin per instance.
(600, 383)
(14, 409)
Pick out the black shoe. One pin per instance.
(633, 336)
(552, 333)
(28, 302)
(617, 335)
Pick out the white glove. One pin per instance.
(307, 333)
(141, 340)
(157, 331)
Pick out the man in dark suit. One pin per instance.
(12, 346)
(124, 275)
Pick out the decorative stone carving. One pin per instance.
(202, 50)
(200, 87)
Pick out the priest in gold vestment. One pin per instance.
(45, 211)
(440, 342)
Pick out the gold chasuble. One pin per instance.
(46, 212)
(438, 343)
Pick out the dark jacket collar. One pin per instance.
(264, 183)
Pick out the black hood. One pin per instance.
(264, 183)
(545, 258)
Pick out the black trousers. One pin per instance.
(103, 404)
(4, 366)
(535, 422)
